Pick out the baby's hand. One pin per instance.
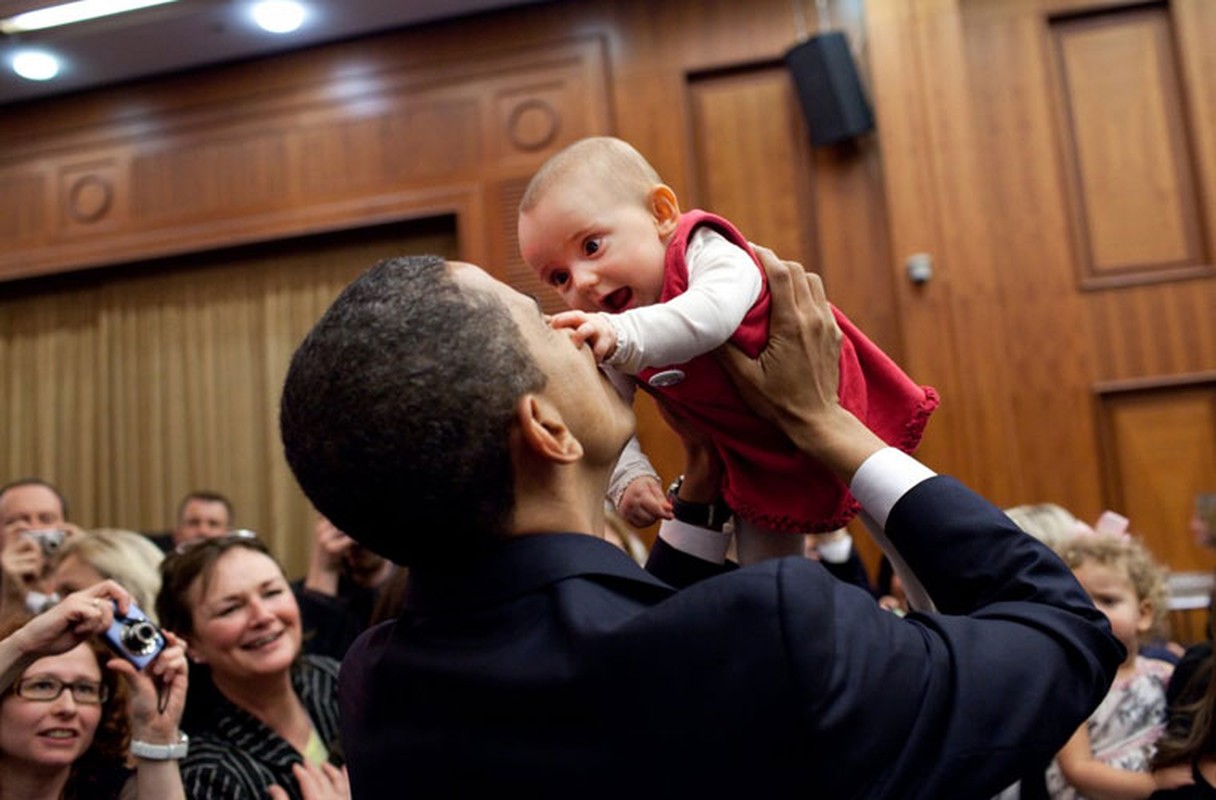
(644, 502)
(593, 329)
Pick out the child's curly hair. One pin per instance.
(1129, 553)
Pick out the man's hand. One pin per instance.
(644, 502)
(793, 383)
(589, 328)
(23, 563)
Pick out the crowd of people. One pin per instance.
(236, 698)
(477, 616)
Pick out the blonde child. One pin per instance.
(653, 292)
(1109, 756)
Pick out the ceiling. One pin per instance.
(195, 33)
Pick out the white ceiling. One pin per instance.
(195, 33)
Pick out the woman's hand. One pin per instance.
(154, 720)
(73, 619)
(324, 782)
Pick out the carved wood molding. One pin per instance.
(300, 159)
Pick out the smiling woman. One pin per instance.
(67, 719)
(62, 720)
(231, 601)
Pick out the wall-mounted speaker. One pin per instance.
(829, 89)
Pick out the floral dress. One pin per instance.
(1124, 730)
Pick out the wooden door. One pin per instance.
(1059, 159)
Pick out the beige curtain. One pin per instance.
(128, 388)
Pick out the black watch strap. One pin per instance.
(704, 515)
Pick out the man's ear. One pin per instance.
(544, 432)
(665, 208)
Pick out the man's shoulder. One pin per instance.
(356, 665)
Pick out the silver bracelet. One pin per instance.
(161, 752)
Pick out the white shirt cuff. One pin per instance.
(706, 544)
(885, 477)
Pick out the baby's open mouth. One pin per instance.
(618, 300)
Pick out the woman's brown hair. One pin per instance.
(106, 756)
(195, 560)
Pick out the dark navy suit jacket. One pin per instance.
(556, 667)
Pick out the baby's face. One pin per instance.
(600, 253)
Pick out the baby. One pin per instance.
(654, 291)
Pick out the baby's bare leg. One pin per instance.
(755, 543)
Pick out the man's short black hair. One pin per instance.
(63, 503)
(397, 410)
(207, 496)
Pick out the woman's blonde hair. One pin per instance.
(1050, 523)
(127, 557)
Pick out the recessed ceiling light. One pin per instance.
(278, 16)
(68, 13)
(35, 65)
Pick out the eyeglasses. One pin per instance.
(239, 533)
(46, 688)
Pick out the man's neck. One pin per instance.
(567, 500)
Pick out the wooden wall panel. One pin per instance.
(1065, 338)
(979, 136)
(1127, 148)
(23, 206)
(751, 158)
(222, 172)
(1158, 448)
(1043, 344)
(954, 325)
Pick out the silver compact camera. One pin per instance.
(49, 539)
(134, 637)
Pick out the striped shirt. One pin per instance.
(239, 756)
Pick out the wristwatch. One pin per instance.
(161, 752)
(704, 515)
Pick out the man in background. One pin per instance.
(29, 505)
(201, 514)
(341, 590)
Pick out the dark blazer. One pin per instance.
(556, 667)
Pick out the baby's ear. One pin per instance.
(665, 208)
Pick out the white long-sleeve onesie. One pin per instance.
(723, 284)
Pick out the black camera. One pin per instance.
(49, 539)
(134, 637)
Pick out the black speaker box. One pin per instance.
(828, 89)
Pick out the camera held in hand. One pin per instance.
(134, 637)
(49, 539)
